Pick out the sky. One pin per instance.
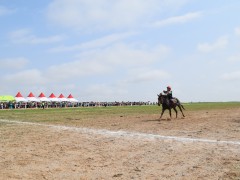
(105, 50)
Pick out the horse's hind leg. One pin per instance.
(175, 111)
(181, 110)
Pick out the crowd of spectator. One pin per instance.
(24, 105)
(116, 103)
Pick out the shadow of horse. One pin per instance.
(156, 120)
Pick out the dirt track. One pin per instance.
(33, 151)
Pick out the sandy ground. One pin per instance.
(139, 147)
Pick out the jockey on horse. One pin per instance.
(168, 94)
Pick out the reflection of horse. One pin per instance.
(167, 104)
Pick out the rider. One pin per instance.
(168, 93)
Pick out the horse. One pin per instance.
(167, 104)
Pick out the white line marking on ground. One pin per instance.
(124, 134)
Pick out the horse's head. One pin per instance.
(160, 99)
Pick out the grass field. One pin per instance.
(85, 113)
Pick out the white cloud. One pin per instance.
(5, 11)
(220, 43)
(234, 58)
(231, 76)
(13, 63)
(134, 55)
(97, 43)
(237, 31)
(108, 60)
(177, 19)
(120, 57)
(26, 78)
(25, 36)
(144, 76)
(76, 69)
(103, 92)
(113, 64)
(102, 14)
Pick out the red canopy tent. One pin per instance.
(32, 98)
(71, 98)
(20, 98)
(43, 98)
(62, 98)
(53, 98)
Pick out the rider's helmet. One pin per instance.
(169, 88)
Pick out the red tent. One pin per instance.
(20, 98)
(71, 98)
(62, 98)
(52, 97)
(31, 95)
(19, 95)
(32, 98)
(42, 97)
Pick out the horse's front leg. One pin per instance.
(175, 111)
(170, 113)
(162, 113)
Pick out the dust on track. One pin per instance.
(31, 151)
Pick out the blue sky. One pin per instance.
(102, 50)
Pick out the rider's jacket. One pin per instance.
(168, 94)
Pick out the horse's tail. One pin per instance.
(179, 103)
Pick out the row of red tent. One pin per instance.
(42, 97)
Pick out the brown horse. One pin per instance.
(167, 104)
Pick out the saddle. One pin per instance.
(174, 100)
